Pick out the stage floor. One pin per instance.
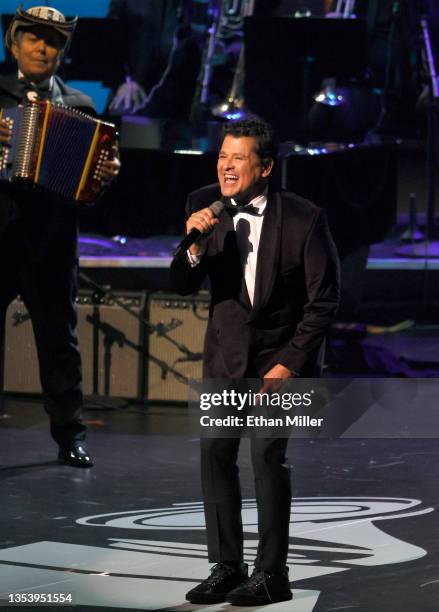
(129, 533)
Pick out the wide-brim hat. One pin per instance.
(40, 16)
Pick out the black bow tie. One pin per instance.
(234, 209)
(42, 91)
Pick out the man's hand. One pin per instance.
(203, 220)
(111, 167)
(130, 97)
(274, 378)
(5, 134)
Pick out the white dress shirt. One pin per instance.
(248, 241)
(47, 84)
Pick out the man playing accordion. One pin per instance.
(38, 231)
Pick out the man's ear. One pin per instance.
(14, 49)
(267, 167)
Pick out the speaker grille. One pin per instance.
(186, 320)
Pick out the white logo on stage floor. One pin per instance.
(327, 535)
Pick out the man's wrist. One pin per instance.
(193, 260)
(196, 251)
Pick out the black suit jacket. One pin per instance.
(49, 223)
(296, 292)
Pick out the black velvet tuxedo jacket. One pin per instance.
(296, 291)
(49, 223)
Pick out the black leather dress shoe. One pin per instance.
(223, 578)
(262, 589)
(76, 456)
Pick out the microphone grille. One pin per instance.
(217, 207)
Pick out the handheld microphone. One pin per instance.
(217, 208)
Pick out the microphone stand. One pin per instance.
(105, 402)
(199, 108)
(159, 329)
(429, 247)
(113, 335)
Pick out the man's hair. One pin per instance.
(256, 128)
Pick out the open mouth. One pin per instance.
(230, 179)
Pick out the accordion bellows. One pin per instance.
(57, 148)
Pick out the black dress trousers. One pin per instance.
(48, 286)
(222, 500)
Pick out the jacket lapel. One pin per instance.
(11, 86)
(268, 253)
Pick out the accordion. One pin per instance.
(56, 148)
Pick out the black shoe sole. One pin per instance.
(238, 601)
(81, 466)
(63, 461)
(202, 598)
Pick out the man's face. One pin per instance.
(241, 172)
(37, 52)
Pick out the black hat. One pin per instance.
(40, 16)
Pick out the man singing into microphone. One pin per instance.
(273, 272)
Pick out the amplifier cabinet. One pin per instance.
(20, 371)
(112, 344)
(184, 320)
